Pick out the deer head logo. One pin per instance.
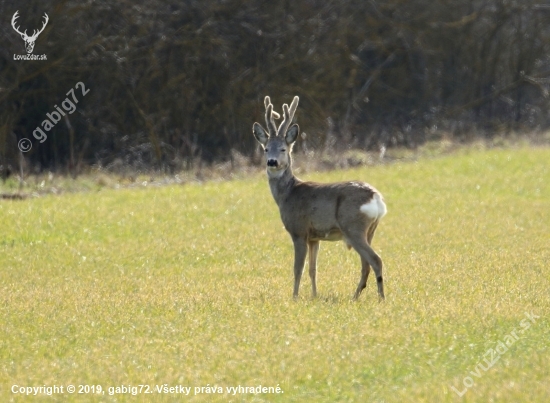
(29, 40)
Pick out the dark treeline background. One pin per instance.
(172, 81)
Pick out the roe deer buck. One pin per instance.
(313, 212)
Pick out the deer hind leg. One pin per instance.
(313, 250)
(360, 244)
(300, 252)
(365, 270)
(370, 231)
(365, 266)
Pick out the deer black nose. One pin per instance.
(272, 162)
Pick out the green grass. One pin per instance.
(191, 285)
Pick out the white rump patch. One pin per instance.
(376, 208)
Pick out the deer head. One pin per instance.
(277, 143)
(29, 40)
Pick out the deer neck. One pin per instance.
(281, 184)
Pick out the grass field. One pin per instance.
(191, 285)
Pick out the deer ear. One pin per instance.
(260, 134)
(292, 134)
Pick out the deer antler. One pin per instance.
(24, 34)
(35, 33)
(269, 115)
(288, 115)
(16, 16)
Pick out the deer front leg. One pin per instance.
(313, 247)
(300, 252)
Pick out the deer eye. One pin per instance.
(283, 150)
(265, 149)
